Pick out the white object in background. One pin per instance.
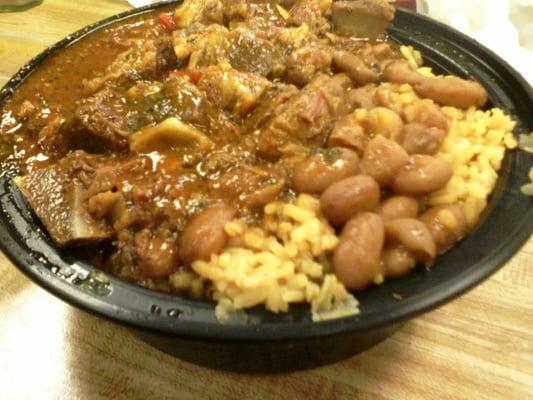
(140, 3)
(505, 26)
(522, 18)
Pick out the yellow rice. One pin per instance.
(281, 263)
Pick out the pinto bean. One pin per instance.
(362, 97)
(354, 66)
(414, 236)
(420, 139)
(453, 91)
(401, 72)
(398, 207)
(447, 225)
(397, 261)
(319, 171)
(356, 260)
(384, 97)
(204, 235)
(427, 113)
(344, 199)
(385, 122)
(422, 176)
(382, 160)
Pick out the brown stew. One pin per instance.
(142, 140)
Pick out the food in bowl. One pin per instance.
(254, 153)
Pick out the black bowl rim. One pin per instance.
(405, 310)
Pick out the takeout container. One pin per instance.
(276, 343)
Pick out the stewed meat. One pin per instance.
(308, 117)
(56, 194)
(362, 18)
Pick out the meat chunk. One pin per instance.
(25, 110)
(287, 3)
(57, 193)
(232, 90)
(219, 161)
(307, 117)
(157, 254)
(305, 63)
(51, 137)
(114, 115)
(294, 38)
(380, 53)
(272, 103)
(103, 115)
(145, 60)
(102, 205)
(250, 52)
(334, 90)
(362, 18)
(182, 99)
(235, 9)
(110, 177)
(309, 12)
(202, 45)
(209, 12)
(165, 58)
(202, 11)
(143, 190)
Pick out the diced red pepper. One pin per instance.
(195, 76)
(167, 22)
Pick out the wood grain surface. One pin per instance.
(477, 347)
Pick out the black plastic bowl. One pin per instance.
(271, 342)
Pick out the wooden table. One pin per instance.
(478, 347)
